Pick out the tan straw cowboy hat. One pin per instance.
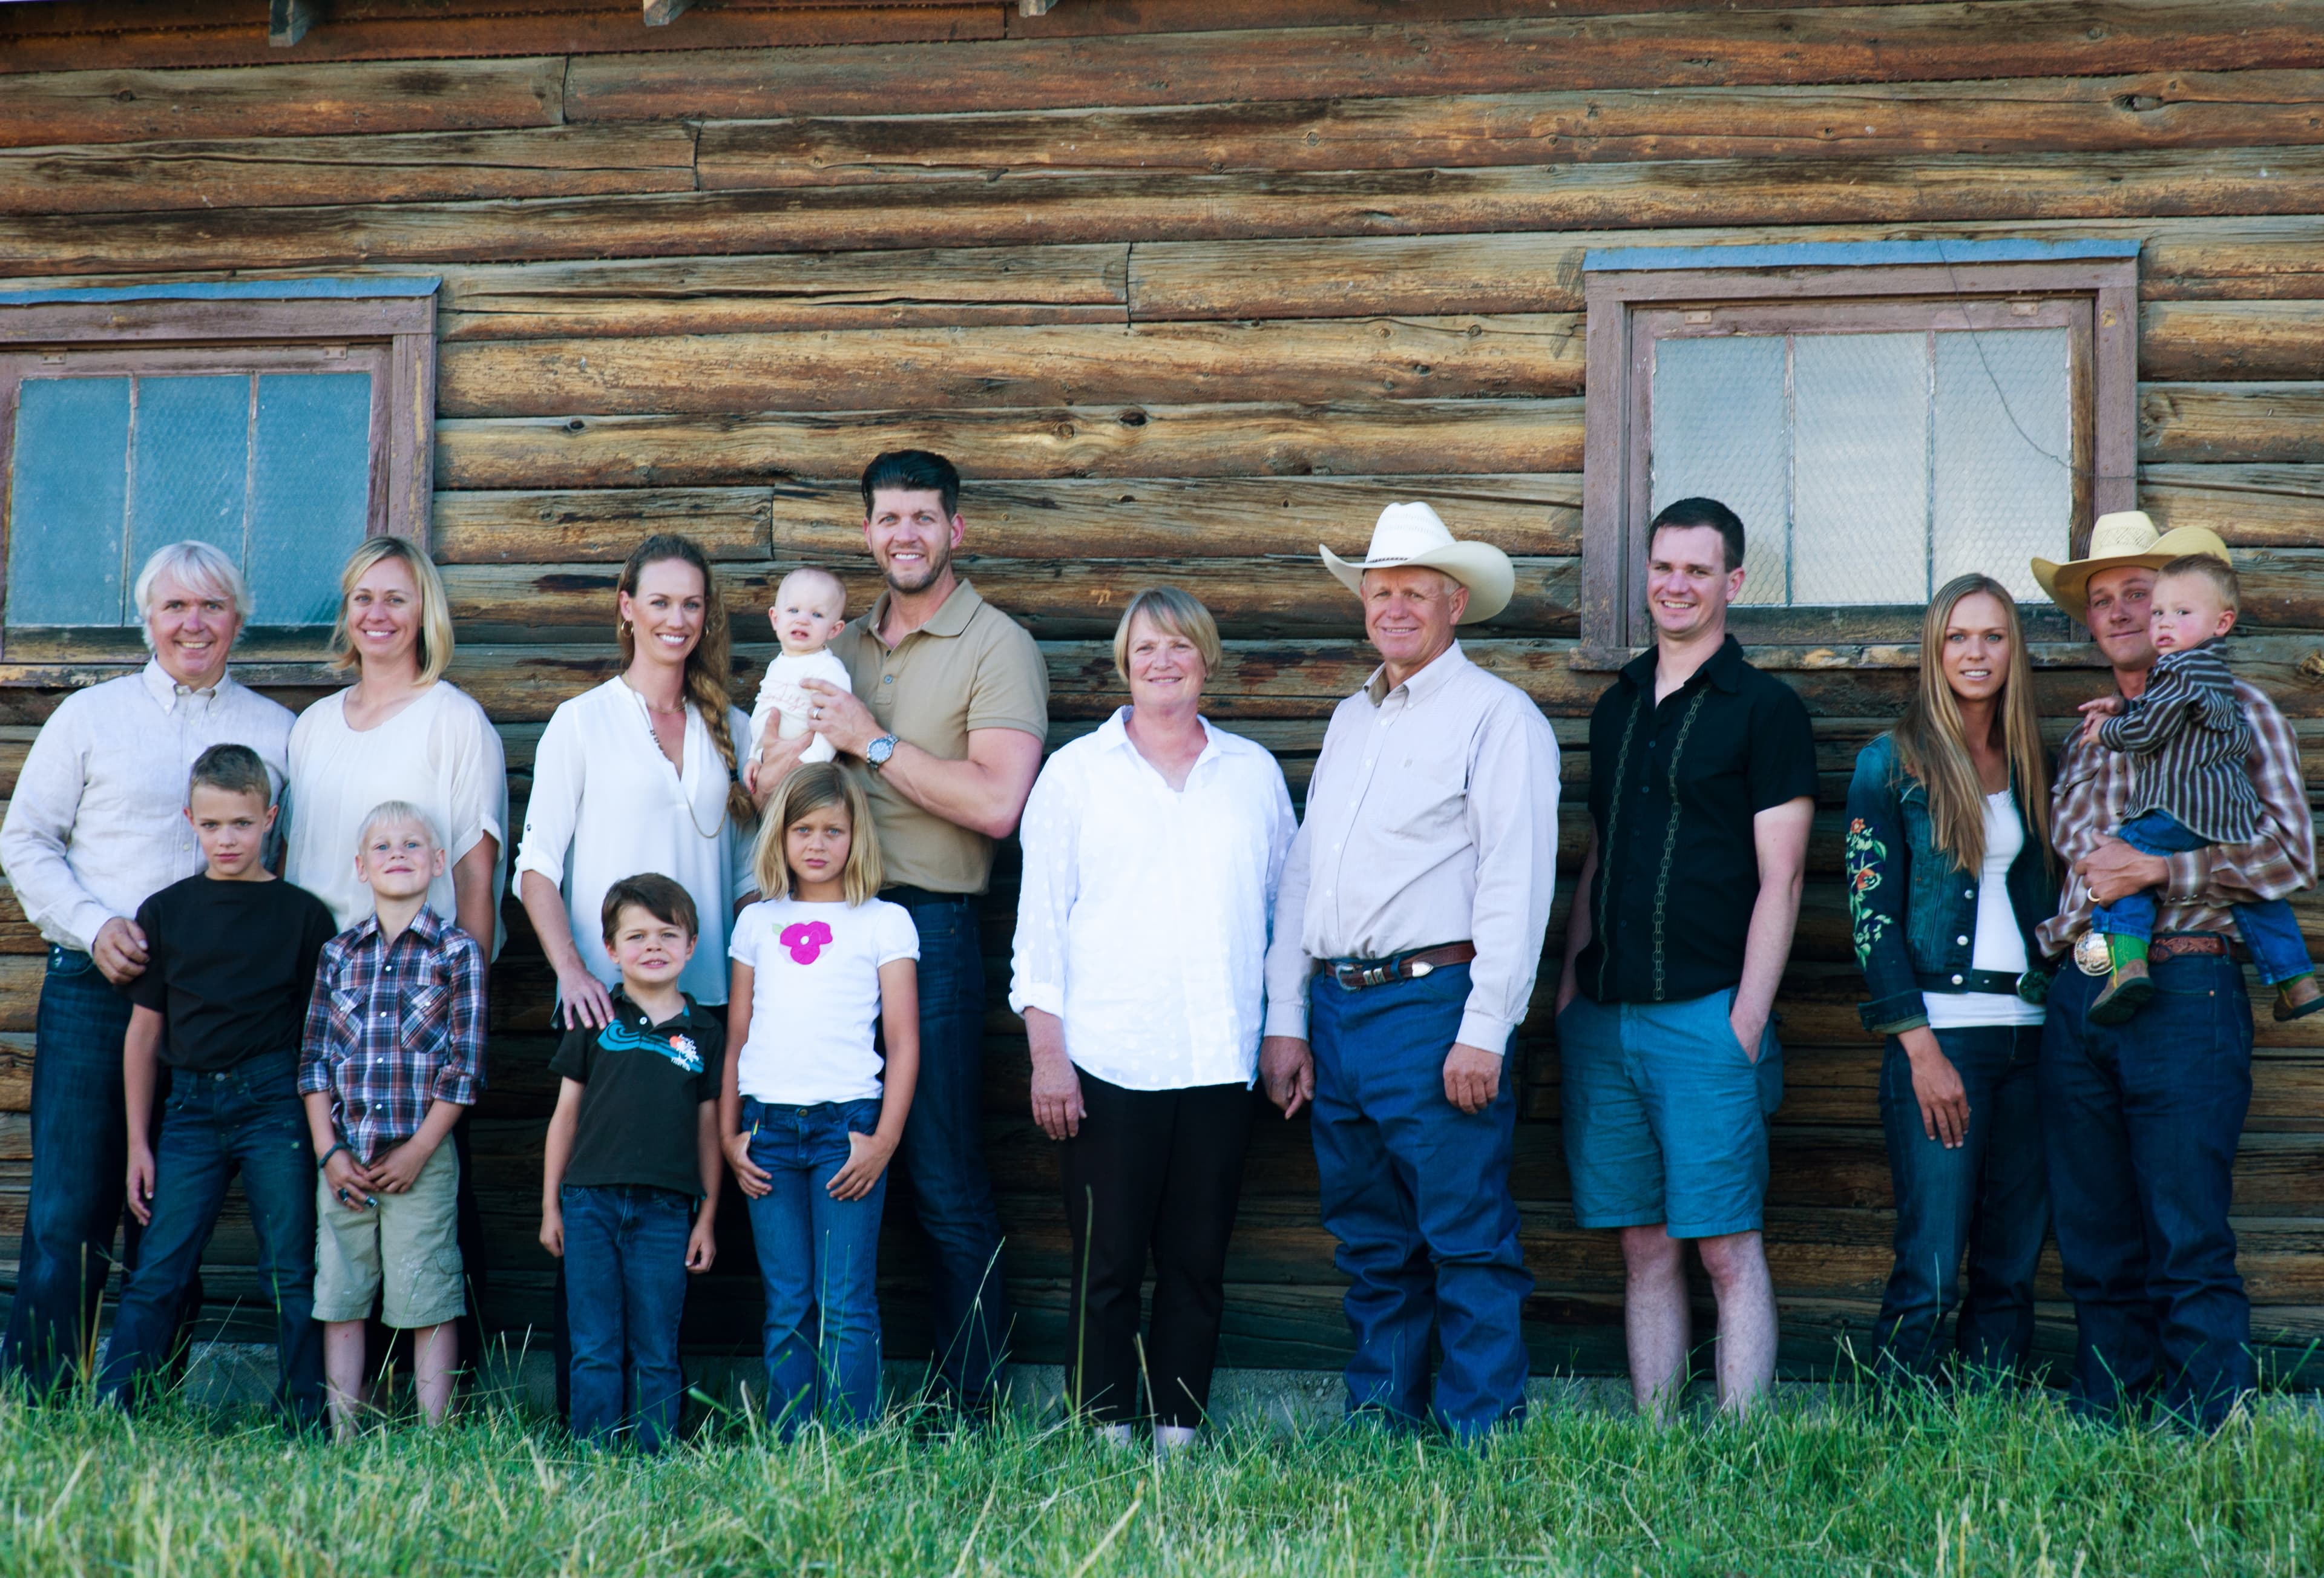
(2124, 537)
(1411, 536)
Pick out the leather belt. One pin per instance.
(2032, 986)
(2092, 957)
(1355, 974)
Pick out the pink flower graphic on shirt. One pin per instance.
(806, 939)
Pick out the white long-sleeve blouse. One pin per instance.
(1142, 921)
(606, 804)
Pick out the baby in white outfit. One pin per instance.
(810, 607)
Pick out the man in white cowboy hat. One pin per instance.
(1702, 788)
(2140, 1119)
(1420, 884)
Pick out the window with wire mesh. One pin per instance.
(269, 455)
(1872, 463)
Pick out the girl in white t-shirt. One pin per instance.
(808, 1114)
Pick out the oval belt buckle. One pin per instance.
(2034, 987)
(2090, 954)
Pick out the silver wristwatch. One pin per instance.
(876, 754)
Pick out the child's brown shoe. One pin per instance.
(2298, 998)
(2126, 992)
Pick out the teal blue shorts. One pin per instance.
(1665, 1117)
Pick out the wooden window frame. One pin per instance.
(1633, 295)
(182, 328)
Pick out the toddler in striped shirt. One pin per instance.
(2192, 788)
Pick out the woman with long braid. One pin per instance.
(639, 775)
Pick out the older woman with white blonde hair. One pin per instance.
(1153, 850)
(96, 826)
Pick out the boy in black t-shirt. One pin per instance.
(233, 952)
(631, 1149)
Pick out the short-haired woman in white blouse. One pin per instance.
(402, 732)
(638, 775)
(1153, 848)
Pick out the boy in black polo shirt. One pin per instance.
(632, 1147)
(222, 1003)
(1701, 786)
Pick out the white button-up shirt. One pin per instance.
(606, 804)
(1432, 819)
(98, 824)
(1142, 920)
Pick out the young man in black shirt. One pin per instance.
(1701, 785)
(222, 1003)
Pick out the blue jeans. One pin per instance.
(2141, 1121)
(624, 1295)
(246, 1118)
(943, 1153)
(1418, 1193)
(820, 1259)
(79, 1159)
(1988, 1198)
(2267, 926)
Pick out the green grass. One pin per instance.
(1988, 1486)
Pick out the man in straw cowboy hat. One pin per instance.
(1420, 884)
(2140, 1119)
(1701, 786)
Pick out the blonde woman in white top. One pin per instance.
(1153, 851)
(401, 732)
(639, 775)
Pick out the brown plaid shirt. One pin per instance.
(2093, 791)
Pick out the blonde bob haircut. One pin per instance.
(435, 651)
(1179, 613)
(812, 788)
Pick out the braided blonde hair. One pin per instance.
(707, 666)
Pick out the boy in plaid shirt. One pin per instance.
(394, 1054)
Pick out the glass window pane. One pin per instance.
(1861, 524)
(65, 504)
(1720, 429)
(192, 463)
(2005, 481)
(310, 493)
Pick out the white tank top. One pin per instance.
(1998, 944)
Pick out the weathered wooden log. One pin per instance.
(2251, 506)
(289, 99)
(956, 287)
(257, 173)
(2173, 109)
(1172, 206)
(1866, 44)
(2258, 421)
(1068, 517)
(1464, 357)
(1422, 436)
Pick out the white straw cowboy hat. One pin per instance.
(2124, 537)
(1411, 536)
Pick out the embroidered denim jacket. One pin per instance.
(1910, 911)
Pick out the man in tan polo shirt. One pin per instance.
(950, 707)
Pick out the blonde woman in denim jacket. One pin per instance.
(1950, 871)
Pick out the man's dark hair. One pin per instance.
(1686, 514)
(655, 894)
(915, 471)
(235, 770)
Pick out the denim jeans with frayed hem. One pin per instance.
(624, 1295)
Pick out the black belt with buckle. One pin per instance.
(1355, 974)
(2032, 986)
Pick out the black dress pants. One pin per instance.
(1155, 1171)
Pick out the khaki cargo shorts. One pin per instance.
(404, 1252)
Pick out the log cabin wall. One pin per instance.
(1184, 297)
